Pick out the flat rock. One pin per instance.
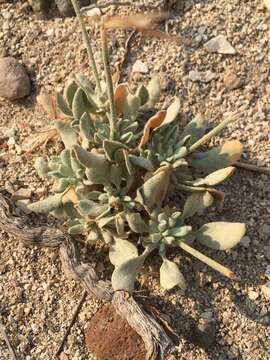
(232, 81)
(22, 194)
(202, 76)
(140, 67)
(14, 81)
(220, 45)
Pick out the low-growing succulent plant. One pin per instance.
(113, 177)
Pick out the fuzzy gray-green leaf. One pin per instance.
(121, 251)
(62, 105)
(136, 223)
(221, 235)
(68, 135)
(195, 202)
(171, 276)
(47, 205)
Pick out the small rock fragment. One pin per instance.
(11, 142)
(266, 229)
(232, 81)
(266, 290)
(202, 76)
(140, 67)
(205, 334)
(253, 295)
(267, 4)
(220, 45)
(245, 241)
(23, 205)
(21, 194)
(14, 81)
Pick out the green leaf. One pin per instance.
(86, 129)
(121, 251)
(78, 105)
(110, 147)
(86, 86)
(171, 276)
(136, 223)
(47, 205)
(218, 157)
(70, 91)
(68, 135)
(106, 220)
(195, 128)
(141, 162)
(172, 112)
(142, 94)
(116, 175)
(90, 208)
(195, 202)
(65, 158)
(76, 229)
(63, 184)
(62, 105)
(131, 107)
(221, 235)
(42, 167)
(180, 231)
(154, 91)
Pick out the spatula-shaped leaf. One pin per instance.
(141, 162)
(68, 135)
(62, 105)
(221, 235)
(197, 201)
(70, 91)
(217, 158)
(110, 148)
(172, 112)
(152, 193)
(215, 177)
(151, 124)
(131, 107)
(42, 167)
(90, 208)
(78, 105)
(47, 205)
(136, 223)
(86, 129)
(143, 94)
(170, 275)
(121, 251)
(154, 91)
(195, 128)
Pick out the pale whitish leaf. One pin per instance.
(47, 205)
(216, 177)
(105, 221)
(62, 105)
(142, 94)
(68, 135)
(195, 129)
(218, 157)
(180, 231)
(171, 276)
(172, 112)
(90, 208)
(136, 223)
(48, 102)
(76, 230)
(70, 91)
(197, 201)
(124, 276)
(131, 107)
(141, 162)
(78, 105)
(110, 148)
(154, 91)
(42, 167)
(121, 251)
(221, 235)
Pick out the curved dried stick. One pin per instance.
(156, 340)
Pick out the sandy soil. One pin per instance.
(36, 300)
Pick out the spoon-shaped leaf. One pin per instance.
(170, 275)
(221, 235)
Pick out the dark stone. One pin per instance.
(204, 334)
(65, 7)
(14, 80)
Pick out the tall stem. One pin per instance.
(109, 82)
(210, 262)
(87, 43)
(213, 132)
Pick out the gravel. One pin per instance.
(36, 300)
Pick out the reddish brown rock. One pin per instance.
(110, 337)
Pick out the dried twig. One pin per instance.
(247, 166)
(9, 345)
(73, 319)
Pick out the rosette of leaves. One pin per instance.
(167, 141)
(163, 228)
(87, 110)
(107, 191)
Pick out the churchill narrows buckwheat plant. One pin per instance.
(114, 174)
